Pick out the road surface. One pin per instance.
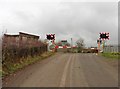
(66, 70)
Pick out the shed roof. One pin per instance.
(11, 35)
(29, 34)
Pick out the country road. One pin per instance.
(66, 70)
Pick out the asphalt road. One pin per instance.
(66, 70)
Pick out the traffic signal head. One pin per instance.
(104, 35)
(99, 41)
(48, 37)
(51, 36)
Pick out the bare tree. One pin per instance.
(80, 44)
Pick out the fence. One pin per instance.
(111, 48)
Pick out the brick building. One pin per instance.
(21, 40)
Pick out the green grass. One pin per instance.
(0, 73)
(111, 55)
(11, 68)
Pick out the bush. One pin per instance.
(14, 54)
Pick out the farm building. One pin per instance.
(21, 39)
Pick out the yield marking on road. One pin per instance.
(63, 79)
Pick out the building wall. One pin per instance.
(11, 41)
(28, 40)
(21, 40)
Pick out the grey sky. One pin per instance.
(67, 19)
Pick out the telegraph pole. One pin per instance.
(99, 43)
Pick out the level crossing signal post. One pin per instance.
(99, 41)
(51, 37)
(103, 37)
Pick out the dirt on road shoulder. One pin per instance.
(26, 71)
(110, 61)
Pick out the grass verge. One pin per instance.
(111, 55)
(13, 67)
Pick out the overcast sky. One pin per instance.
(66, 18)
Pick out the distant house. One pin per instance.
(21, 39)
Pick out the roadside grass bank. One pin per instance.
(111, 59)
(0, 73)
(111, 55)
(11, 68)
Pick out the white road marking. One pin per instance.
(63, 79)
(71, 68)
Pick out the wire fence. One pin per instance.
(112, 48)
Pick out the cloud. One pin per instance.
(66, 19)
